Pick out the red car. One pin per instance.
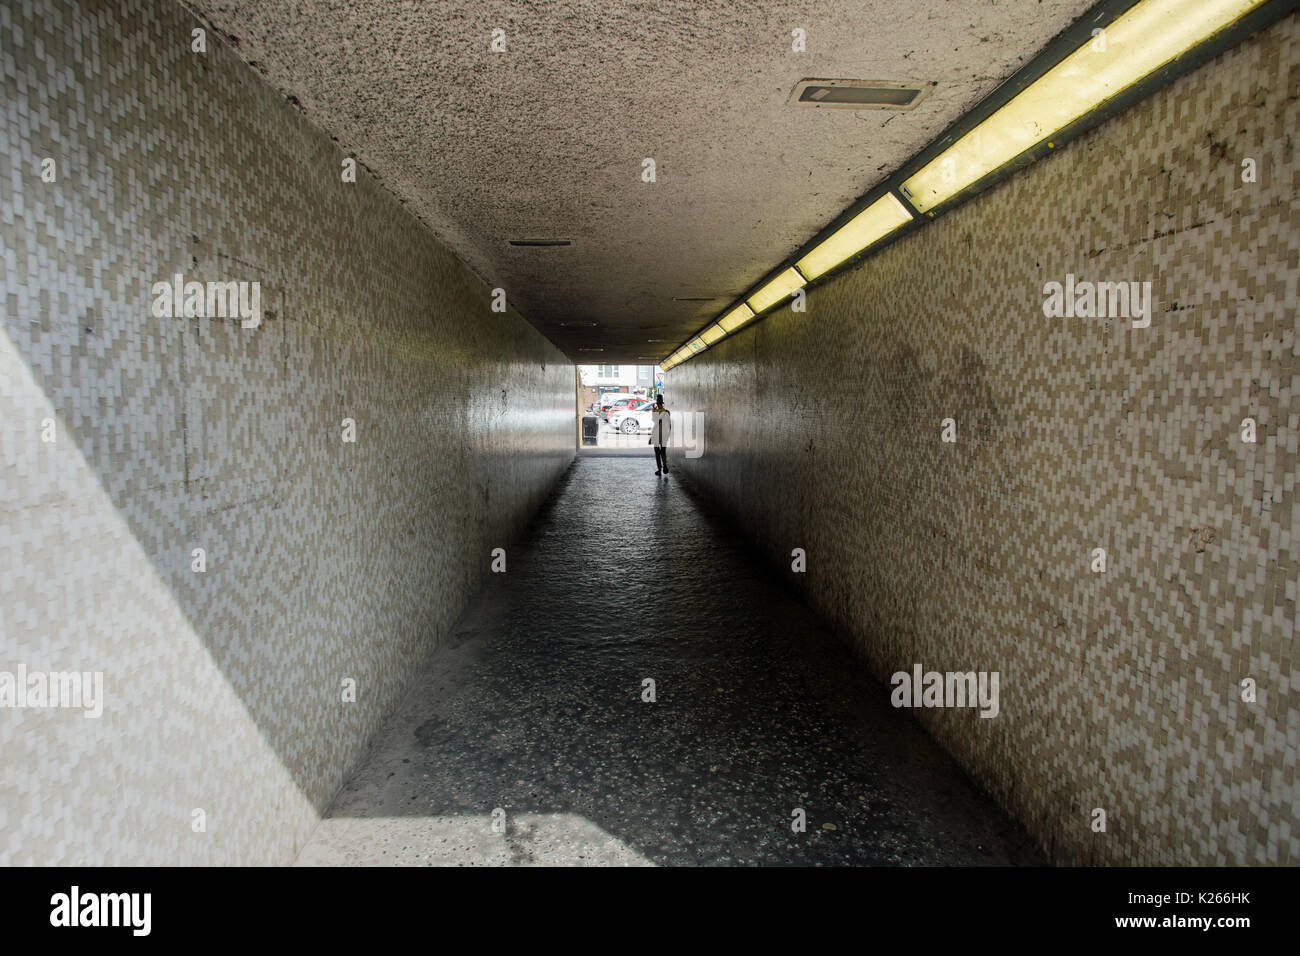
(625, 405)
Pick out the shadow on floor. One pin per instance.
(534, 709)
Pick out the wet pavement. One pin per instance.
(526, 739)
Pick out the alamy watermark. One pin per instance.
(1098, 300)
(691, 436)
(225, 300)
(79, 690)
(127, 910)
(946, 689)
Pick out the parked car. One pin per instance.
(624, 405)
(630, 421)
(612, 398)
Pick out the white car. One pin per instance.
(632, 421)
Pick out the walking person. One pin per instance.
(661, 428)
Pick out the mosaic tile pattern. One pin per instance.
(1119, 690)
(325, 559)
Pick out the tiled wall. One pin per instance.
(326, 560)
(1119, 690)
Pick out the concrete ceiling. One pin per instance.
(547, 139)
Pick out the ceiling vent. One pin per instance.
(540, 242)
(859, 94)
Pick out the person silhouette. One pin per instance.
(660, 431)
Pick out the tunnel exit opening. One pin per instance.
(615, 406)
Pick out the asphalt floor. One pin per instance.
(529, 737)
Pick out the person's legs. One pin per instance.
(661, 459)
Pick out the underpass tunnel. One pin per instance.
(976, 328)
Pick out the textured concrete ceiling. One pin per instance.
(547, 139)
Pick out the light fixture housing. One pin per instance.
(1115, 57)
(865, 229)
(736, 317)
(1196, 32)
(776, 289)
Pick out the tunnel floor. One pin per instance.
(530, 717)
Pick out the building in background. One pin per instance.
(598, 380)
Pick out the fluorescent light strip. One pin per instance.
(1137, 44)
(736, 318)
(780, 286)
(1141, 41)
(869, 226)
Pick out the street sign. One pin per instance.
(659, 384)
